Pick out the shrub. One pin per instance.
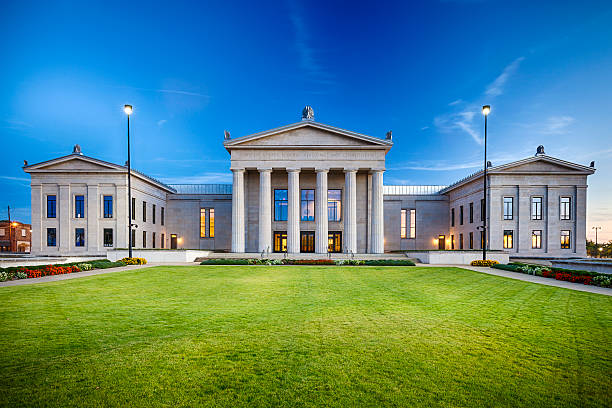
(225, 262)
(603, 281)
(4, 276)
(21, 275)
(133, 261)
(349, 262)
(507, 267)
(308, 262)
(85, 266)
(486, 262)
(389, 262)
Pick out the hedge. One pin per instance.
(330, 262)
(22, 272)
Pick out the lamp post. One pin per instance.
(596, 228)
(486, 109)
(128, 111)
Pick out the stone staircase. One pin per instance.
(277, 255)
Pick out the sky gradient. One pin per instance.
(193, 70)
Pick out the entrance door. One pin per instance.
(334, 241)
(173, 241)
(441, 242)
(280, 241)
(307, 241)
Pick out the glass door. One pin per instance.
(334, 241)
(307, 241)
(280, 241)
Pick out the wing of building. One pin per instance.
(309, 187)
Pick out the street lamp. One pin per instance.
(596, 228)
(128, 111)
(486, 109)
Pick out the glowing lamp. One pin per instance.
(486, 109)
(127, 109)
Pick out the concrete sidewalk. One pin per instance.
(531, 278)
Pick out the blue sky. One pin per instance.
(193, 69)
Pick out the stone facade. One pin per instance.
(309, 187)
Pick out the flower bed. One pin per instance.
(330, 262)
(38, 271)
(133, 261)
(568, 275)
(486, 262)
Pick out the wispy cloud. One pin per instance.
(15, 178)
(16, 124)
(496, 88)
(205, 178)
(425, 128)
(451, 122)
(556, 125)
(444, 165)
(455, 102)
(160, 123)
(167, 91)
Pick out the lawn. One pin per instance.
(303, 336)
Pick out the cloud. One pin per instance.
(15, 178)
(459, 121)
(443, 165)
(455, 102)
(160, 123)
(496, 88)
(425, 128)
(16, 125)
(556, 125)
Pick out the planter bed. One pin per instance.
(569, 275)
(329, 262)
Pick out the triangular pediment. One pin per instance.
(307, 134)
(542, 165)
(76, 163)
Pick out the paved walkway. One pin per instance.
(531, 278)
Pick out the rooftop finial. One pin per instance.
(227, 135)
(540, 151)
(307, 113)
(390, 135)
(77, 149)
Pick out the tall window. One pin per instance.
(536, 239)
(108, 237)
(79, 206)
(452, 217)
(403, 220)
(144, 239)
(211, 223)
(334, 205)
(536, 208)
(566, 208)
(471, 240)
(153, 215)
(461, 215)
(460, 241)
(108, 206)
(133, 238)
(162, 216)
(508, 239)
(471, 213)
(79, 237)
(482, 209)
(153, 240)
(308, 205)
(51, 237)
(412, 223)
(508, 207)
(207, 222)
(565, 239)
(51, 206)
(453, 241)
(144, 211)
(162, 244)
(133, 208)
(280, 205)
(202, 222)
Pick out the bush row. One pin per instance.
(37, 271)
(570, 275)
(486, 262)
(341, 262)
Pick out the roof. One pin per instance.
(412, 190)
(572, 168)
(32, 168)
(384, 143)
(202, 188)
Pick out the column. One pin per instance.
(265, 210)
(321, 218)
(378, 231)
(293, 211)
(238, 210)
(350, 211)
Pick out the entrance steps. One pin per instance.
(277, 255)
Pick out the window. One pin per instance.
(460, 241)
(162, 244)
(23, 233)
(144, 239)
(108, 237)
(207, 222)
(133, 238)
(452, 217)
(108, 206)
(536, 208)
(1, 232)
(536, 239)
(211, 223)
(153, 240)
(508, 239)
(144, 211)
(79, 237)
(452, 242)
(412, 223)
(280, 205)
(403, 224)
(79, 206)
(153, 215)
(334, 241)
(482, 239)
(51, 237)
(308, 205)
(334, 205)
(280, 241)
(565, 239)
(482, 209)
(508, 207)
(471, 213)
(51, 206)
(202, 222)
(162, 216)
(566, 208)
(133, 208)
(461, 215)
(471, 240)
(307, 241)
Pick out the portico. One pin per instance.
(307, 187)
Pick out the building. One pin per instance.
(14, 236)
(309, 187)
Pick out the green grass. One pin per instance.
(303, 336)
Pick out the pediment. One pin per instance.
(543, 165)
(308, 134)
(74, 163)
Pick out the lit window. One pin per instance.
(566, 208)
(202, 222)
(536, 239)
(412, 223)
(508, 239)
(508, 208)
(565, 239)
(207, 222)
(403, 224)
(536, 208)
(211, 223)
(334, 205)
(153, 240)
(308, 205)
(280, 205)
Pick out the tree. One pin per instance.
(594, 252)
